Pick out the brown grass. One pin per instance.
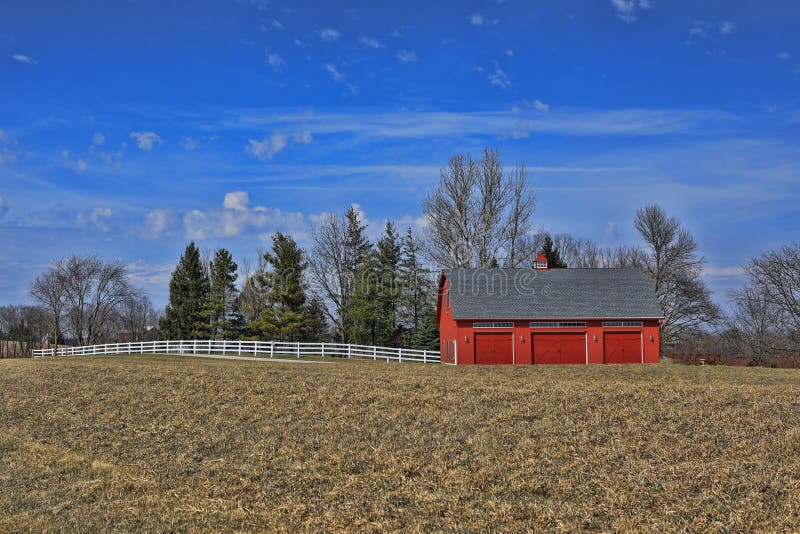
(164, 444)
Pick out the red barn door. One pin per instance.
(623, 347)
(562, 348)
(494, 348)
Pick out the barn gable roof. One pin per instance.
(552, 294)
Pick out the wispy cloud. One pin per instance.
(188, 143)
(158, 222)
(476, 19)
(267, 147)
(99, 218)
(146, 140)
(3, 206)
(785, 56)
(371, 42)
(419, 124)
(406, 56)
(333, 71)
(275, 61)
(630, 10)
(499, 78)
(22, 58)
(329, 35)
(98, 139)
(726, 27)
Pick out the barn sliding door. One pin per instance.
(494, 348)
(623, 347)
(560, 348)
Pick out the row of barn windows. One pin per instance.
(552, 324)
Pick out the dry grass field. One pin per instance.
(167, 444)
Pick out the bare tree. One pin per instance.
(49, 290)
(339, 247)
(753, 326)
(670, 258)
(138, 318)
(776, 275)
(93, 291)
(478, 214)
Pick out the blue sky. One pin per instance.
(128, 128)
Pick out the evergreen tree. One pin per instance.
(221, 310)
(356, 249)
(376, 298)
(552, 254)
(426, 337)
(188, 291)
(289, 316)
(415, 286)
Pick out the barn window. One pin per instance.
(540, 265)
(556, 324)
(493, 325)
(623, 323)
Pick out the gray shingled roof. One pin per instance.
(552, 294)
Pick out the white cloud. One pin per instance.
(370, 42)
(146, 140)
(237, 217)
(509, 52)
(629, 10)
(267, 147)
(236, 200)
(187, 143)
(276, 24)
(333, 71)
(726, 27)
(406, 56)
(476, 19)
(499, 78)
(22, 58)
(500, 123)
(7, 156)
(158, 222)
(329, 35)
(538, 105)
(81, 166)
(611, 230)
(275, 61)
(100, 218)
(785, 56)
(98, 139)
(3, 206)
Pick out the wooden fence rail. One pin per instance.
(245, 348)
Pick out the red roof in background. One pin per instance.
(541, 257)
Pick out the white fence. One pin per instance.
(248, 348)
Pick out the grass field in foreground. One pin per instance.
(181, 444)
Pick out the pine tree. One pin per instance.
(289, 315)
(552, 254)
(220, 310)
(188, 291)
(357, 248)
(426, 337)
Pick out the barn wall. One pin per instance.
(464, 334)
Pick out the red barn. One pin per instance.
(547, 316)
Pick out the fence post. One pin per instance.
(298, 350)
(271, 349)
(323, 349)
(400, 355)
(424, 356)
(349, 350)
(240, 348)
(194, 347)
